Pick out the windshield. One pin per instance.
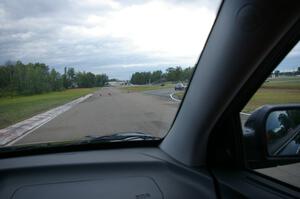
(96, 69)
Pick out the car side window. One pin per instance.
(281, 87)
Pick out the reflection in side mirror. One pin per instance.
(283, 132)
(271, 136)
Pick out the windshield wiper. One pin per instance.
(117, 137)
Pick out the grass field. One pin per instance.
(15, 109)
(283, 83)
(141, 88)
(282, 90)
(179, 94)
(272, 96)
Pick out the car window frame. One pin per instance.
(230, 120)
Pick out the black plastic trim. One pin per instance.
(32, 150)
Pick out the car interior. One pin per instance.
(205, 153)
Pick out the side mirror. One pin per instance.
(272, 136)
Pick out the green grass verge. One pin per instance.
(283, 83)
(15, 109)
(272, 96)
(265, 96)
(141, 88)
(282, 90)
(179, 95)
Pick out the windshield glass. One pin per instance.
(96, 69)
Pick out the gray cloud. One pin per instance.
(20, 9)
(292, 61)
(64, 33)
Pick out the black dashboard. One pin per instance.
(137, 173)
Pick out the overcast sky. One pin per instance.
(106, 36)
(292, 61)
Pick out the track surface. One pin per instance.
(108, 111)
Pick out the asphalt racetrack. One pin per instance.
(110, 110)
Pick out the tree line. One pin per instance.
(174, 74)
(34, 78)
(277, 73)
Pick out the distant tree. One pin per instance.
(141, 78)
(187, 73)
(156, 76)
(64, 78)
(113, 80)
(81, 79)
(175, 74)
(5, 80)
(55, 80)
(172, 74)
(71, 77)
(84, 80)
(101, 80)
(91, 80)
(32, 78)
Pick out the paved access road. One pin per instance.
(166, 92)
(108, 111)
